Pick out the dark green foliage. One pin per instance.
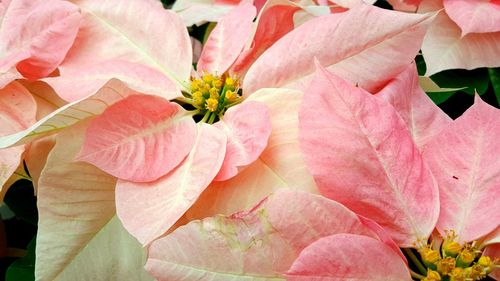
(23, 269)
(22, 201)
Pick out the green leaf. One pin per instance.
(495, 81)
(471, 80)
(421, 67)
(23, 269)
(440, 97)
(22, 201)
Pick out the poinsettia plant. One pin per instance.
(296, 144)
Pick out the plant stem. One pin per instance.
(415, 261)
(205, 117)
(416, 275)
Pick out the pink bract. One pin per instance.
(17, 112)
(35, 36)
(344, 257)
(423, 119)
(474, 16)
(348, 137)
(277, 228)
(471, 44)
(463, 159)
(148, 210)
(140, 138)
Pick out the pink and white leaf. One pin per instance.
(364, 39)
(139, 138)
(227, 40)
(148, 210)
(36, 35)
(76, 227)
(109, 31)
(199, 12)
(474, 16)
(70, 114)
(281, 164)
(274, 21)
(444, 47)
(17, 112)
(348, 257)
(79, 82)
(362, 155)
(260, 243)
(463, 159)
(248, 127)
(422, 117)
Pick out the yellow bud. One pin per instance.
(429, 256)
(217, 83)
(231, 96)
(198, 99)
(445, 266)
(484, 261)
(208, 78)
(451, 248)
(229, 81)
(457, 274)
(206, 88)
(432, 276)
(474, 272)
(466, 257)
(214, 93)
(211, 104)
(195, 85)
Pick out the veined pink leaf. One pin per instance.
(35, 35)
(76, 207)
(139, 138)
(281, 164)
(348, 257)
(148, 210)
(227, 40)
(464, 160)
(261, 243)
(362, 155)
(17, 112)
(77, 83)
(274, 21)
(422, 117)
(71, 113)
(110, 31)
(247, 127)
(363, 39)
(444, 47)
(474, 16)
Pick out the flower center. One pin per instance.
(454, 261)
(212, 95)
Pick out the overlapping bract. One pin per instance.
(363, 150)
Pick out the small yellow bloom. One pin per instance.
(466, 257)
(432, 276)
(457, 274)
(211, 104)
(445, 266)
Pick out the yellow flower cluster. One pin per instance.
(455, 262)
(213, 94)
